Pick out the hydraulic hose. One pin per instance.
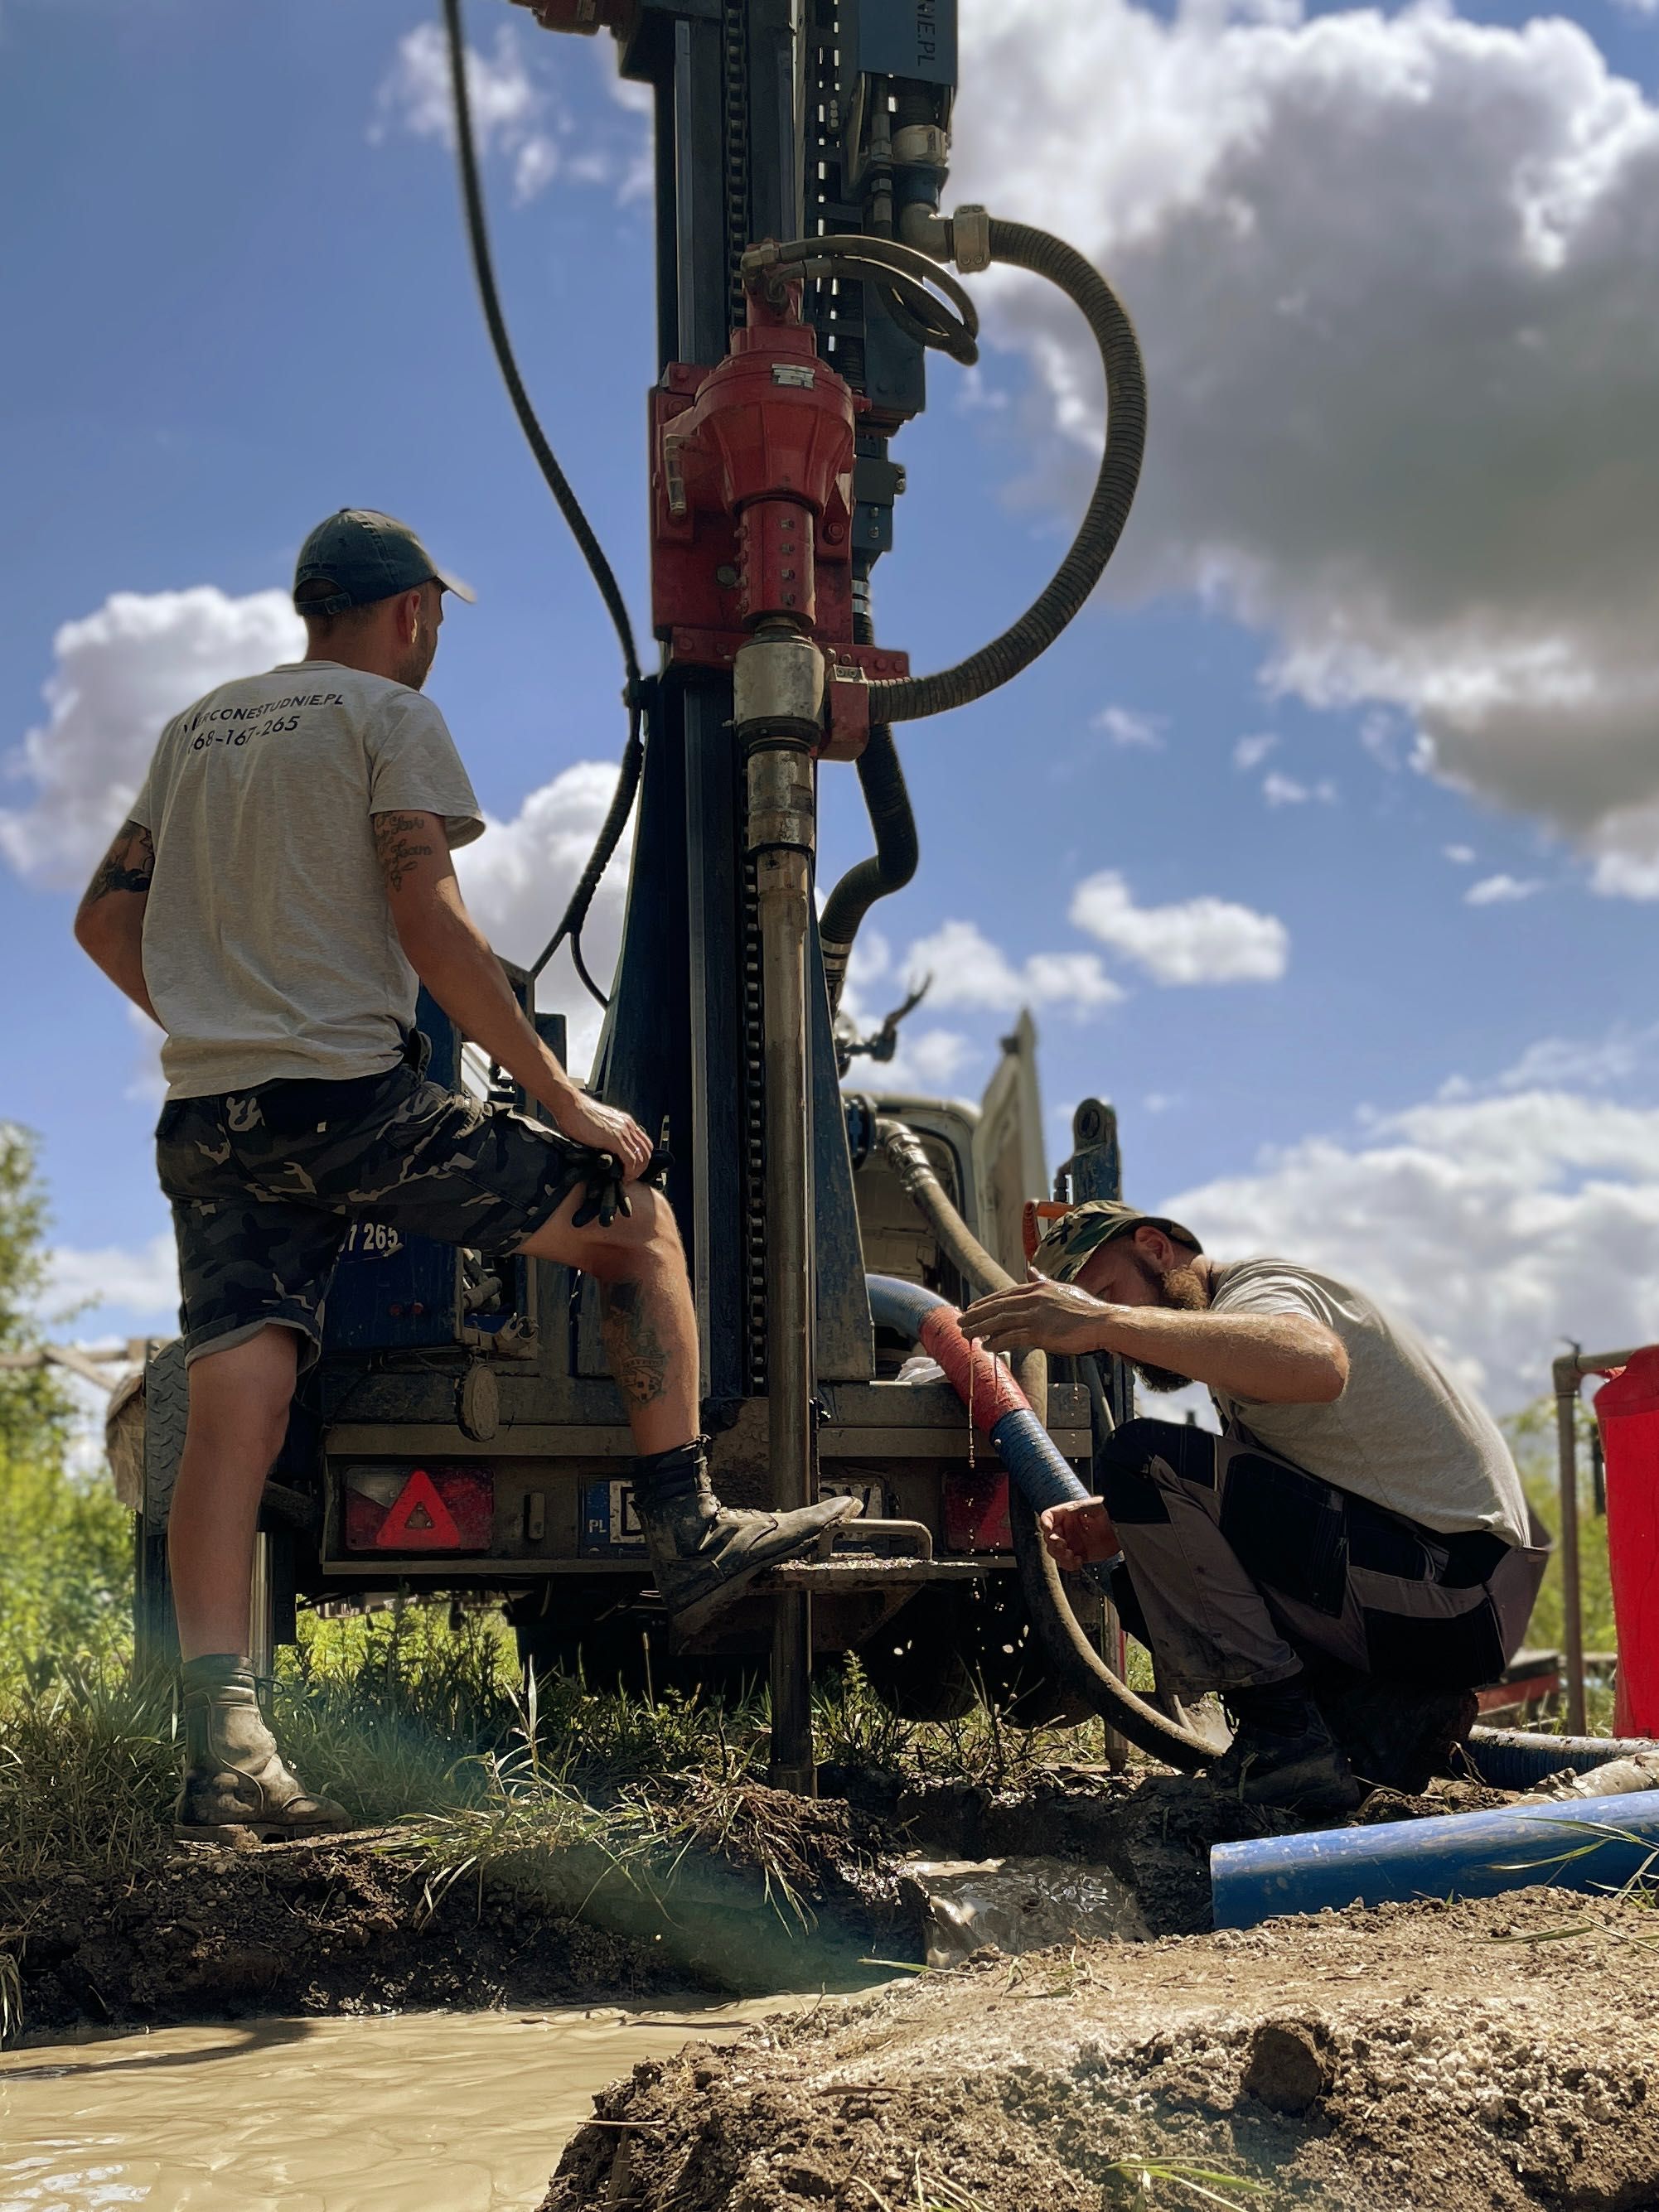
(908, 698)
(898, 850)
(907, 1157)
(483, 270)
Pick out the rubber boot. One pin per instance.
(703, 1553)
(1283, 1755)
(234, 1779)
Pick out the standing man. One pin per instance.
(283, 885)
(1356, 1505)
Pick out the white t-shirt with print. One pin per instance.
(269, 946)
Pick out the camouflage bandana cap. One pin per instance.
(1073, 1241)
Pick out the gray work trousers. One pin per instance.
(1242, 1564)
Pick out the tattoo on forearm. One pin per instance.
(398, 846)
(129, 865)
(639, 1362)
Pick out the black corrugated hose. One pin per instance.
(909, 697)
(887, 799)
(569, 506)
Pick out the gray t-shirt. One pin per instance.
(1401, 1434)
(268, 945)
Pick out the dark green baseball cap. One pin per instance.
(1077, 1235)
(366, 556)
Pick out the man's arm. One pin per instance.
(109, 922)
(1278, 1359)
(451, 957)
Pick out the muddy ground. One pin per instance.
(1465, 2057)
(295, 1928)
(771, 1894)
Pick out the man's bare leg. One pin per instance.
(233, 1776)
(646, 1315)
(239, 1402)
(702, 1553)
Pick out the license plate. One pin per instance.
(438, 1507)
(611, 1524)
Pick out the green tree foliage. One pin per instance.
(1532, 1438)
(65, 1542)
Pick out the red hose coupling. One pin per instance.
(584, 15)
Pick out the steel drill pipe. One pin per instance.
(778, 696)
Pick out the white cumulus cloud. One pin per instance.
(541, 123)
(518, 877)
(121, 674)
(1498, 1225)
(1196, 940)
(1285, 791)
(1251, 752)
(136, 1285)
(1502, 891)
(1422, 463)
(969, 970)
(1124, 726)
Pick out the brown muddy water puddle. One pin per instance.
(413, 2112)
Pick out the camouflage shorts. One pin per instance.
(265, 1185)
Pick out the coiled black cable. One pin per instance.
(633, 760)
(909, 697)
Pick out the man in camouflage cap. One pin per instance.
(1359, 1506)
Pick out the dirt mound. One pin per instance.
(1153, 1830)
(293, 1928)
(1419, 2056)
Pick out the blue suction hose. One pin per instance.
(1000, 1408)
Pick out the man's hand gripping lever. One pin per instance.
(605, 1180)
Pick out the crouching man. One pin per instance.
(1358, 1506)
(283, 883)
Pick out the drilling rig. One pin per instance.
(460, 1431)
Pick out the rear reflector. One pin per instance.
(420, 1509)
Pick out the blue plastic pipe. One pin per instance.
(1458, 1855)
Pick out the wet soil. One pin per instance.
(341, 1926)
(1153, 1830)
(1468, 2058)
(763, 1891)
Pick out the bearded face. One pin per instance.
(1180, 1291)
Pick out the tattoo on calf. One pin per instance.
(397, 847)
(639, 1362)
(129, 865)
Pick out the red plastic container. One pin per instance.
(1627, 1409)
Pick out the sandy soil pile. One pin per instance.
(1460, 2058)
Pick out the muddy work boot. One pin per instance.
(235, 1777)
(703, 1554)
(1283, 1756)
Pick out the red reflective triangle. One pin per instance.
(437, 1532)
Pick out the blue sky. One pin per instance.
(238, 297)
